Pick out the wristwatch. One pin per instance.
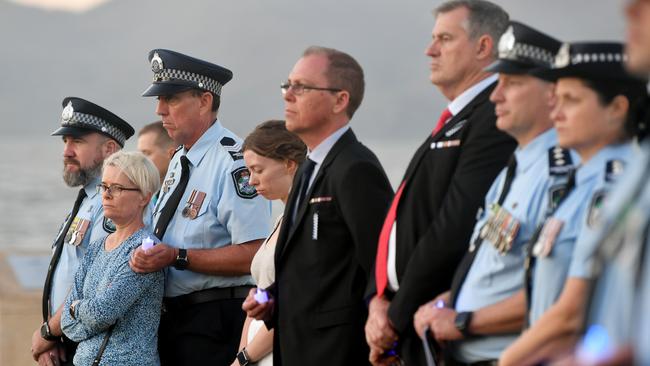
(46, 334)
(462, 322)
(181, 262)
(243, 358)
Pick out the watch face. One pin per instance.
(242, 359)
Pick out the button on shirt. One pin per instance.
(494, 277)
(223, 218)
(91, 209)
(566, 258)
(455, 107)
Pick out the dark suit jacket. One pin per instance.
(320, 310)
(447, 180)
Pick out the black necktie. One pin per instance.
(171, 205)
(468, 259)
(57, 254)
(529, 262)
(308, 169)
(304, 180)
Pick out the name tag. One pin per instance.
(546, 240)
(320, 199)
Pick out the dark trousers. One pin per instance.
(201, 334)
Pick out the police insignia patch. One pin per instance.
(595, 209)
(240, 178)
(109, 225)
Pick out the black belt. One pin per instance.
(478, 363)
(203, 296)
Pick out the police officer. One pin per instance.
(486, 308)
(209, 219)
(90, 134)
(617, 316)
(594, 114)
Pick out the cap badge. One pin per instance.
(68, 112)
(563, 57)
(507, 41)
(156, 63)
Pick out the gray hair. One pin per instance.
(485, 18)
(138, 168)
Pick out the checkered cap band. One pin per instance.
(533, 53)
(96, 123)
(585, 58)
(201, 81)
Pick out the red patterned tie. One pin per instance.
(446, 114)
(381, 267)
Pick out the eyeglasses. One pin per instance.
(299, 89)
(113, 190)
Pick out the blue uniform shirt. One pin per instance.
(494, 276)
(577, 215)
(228, 210)
(613, 303)
(88, 226)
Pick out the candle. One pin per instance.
(147, 243)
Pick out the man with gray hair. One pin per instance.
(90, 134)
(427, 228)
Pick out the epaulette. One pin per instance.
(559, 161)
(232, 147)
(613, 169)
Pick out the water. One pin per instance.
(34, 200)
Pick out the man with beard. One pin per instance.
(90, 134)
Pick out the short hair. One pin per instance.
(343, 72)
(485, 18)
(216, 100)
(138, 168)
(272, 140)
(162, 137)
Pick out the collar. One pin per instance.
(531, 153)
(203, 144)
(597, 163)
(320, 152)
(468, 95)
(91, 187)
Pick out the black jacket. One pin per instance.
(320, 310)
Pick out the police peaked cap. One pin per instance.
(175, 72)
(81, 117)
(592, 61)
(523, 49)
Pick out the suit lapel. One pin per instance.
(455, 122)
(347, 138)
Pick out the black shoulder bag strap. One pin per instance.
(102, 348)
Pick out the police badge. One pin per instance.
(68, 112)
(240, 178)
(563, 58)
(507, 43)
(595, 208)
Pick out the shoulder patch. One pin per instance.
(613, 169)
(109, 225)
(595, 208)
(232, 147)
(556, 194)
(240, 177)
(559, 161)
